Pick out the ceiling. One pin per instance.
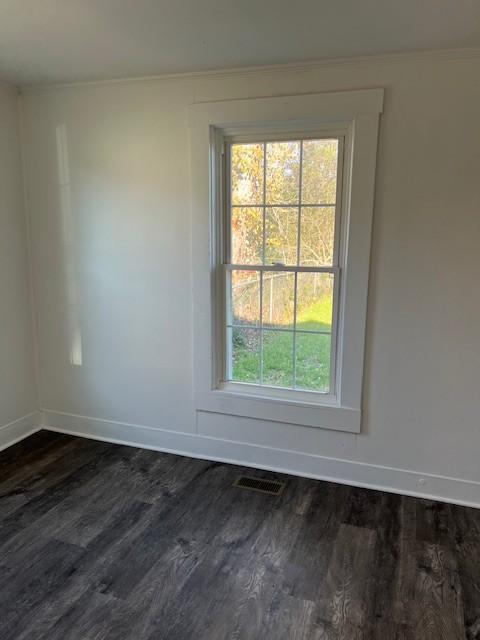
(50, 41)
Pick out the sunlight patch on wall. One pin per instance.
(67, 249)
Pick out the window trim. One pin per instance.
(357, 114)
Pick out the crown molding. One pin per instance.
(389, 58)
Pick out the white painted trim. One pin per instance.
(307, 414)
(356, 113)
(393, 480)
(19, 429)
(465, 53)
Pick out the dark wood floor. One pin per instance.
(99, 541)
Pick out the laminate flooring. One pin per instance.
(105, 542)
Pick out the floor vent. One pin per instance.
(272, 487)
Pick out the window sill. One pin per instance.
(298, 412)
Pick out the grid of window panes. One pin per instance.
(281, 272)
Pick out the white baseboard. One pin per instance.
(19, 429)
(402, 481)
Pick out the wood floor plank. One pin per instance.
(28, 451)
(287, 617)
(406, 564)
(206, 598)
(89, 507)
(246, 587)
(466, 528)
(28, 586)
(438, 595)
(153, 542)
(433, 522)
(20, 483)
(344, 596)
(88, 571)
(309, 558)
(55, 483)
(363, 507)
(386, 561)
(157, 595)
(106, 542)
(94, 615)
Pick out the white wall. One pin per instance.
(18, 398)
(112, 265)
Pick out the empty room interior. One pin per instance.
(239, 320)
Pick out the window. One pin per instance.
(282, 205)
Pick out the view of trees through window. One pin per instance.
(281, 268)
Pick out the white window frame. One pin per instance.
(354, 115)
(221, 378)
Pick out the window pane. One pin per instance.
(314, 301)
(267, 345)
(247, 173)
(247, 235)
(278, 358)
(245, 355)
(281, 230)
(312, 362)
(319, 175)
(283, 171)
(278, 297)
(317, 236)
(245, 296)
